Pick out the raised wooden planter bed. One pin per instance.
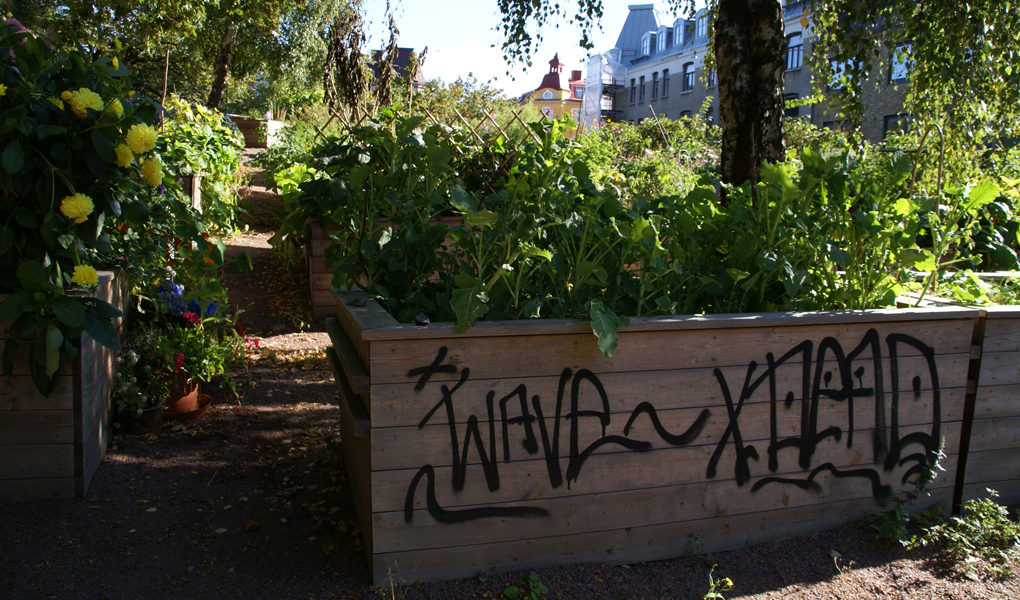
(993, 459)
(51, 446)
(257, 133)
(518, 445)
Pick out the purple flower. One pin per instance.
(211, 309)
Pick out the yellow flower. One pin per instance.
(84, 98)
(114, 63)
(65, 95)
(124, 155)
(77, 207)
(115, 107)
(141, 138)
(116, 45)
(56, 102)
(3, 90)
(85, 275)
(152, 171)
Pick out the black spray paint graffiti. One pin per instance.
(530, 418)
(837, 375)
(827, 372)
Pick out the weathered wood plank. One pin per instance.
(994, 434)
(1002, 335)
(347, 357)
(618, 546)
(999, 368)
(399, 404)
(549, 355)
(910, 319)
(617, 510)
(1008, 489)
(18, 428)
(19, 393)
(358, 461)
(993, 465)
(412, 447)
(994, 401)
(36, 489)
(527, 480)
(36, 461)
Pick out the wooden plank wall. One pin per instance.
(520, 451)
(320, 279)
(51, 446)
(994, 457)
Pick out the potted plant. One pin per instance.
(179, 342)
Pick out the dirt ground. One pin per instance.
(252, 502)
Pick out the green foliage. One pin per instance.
(980, 541)
(657, 157)
(196, 139)
(531, 588)
(63, 179)
(898, 524)
(717, 586)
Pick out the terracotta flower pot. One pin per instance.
(184, 396)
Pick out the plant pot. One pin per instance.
(148, 421)
(204, 401)
(184, 396)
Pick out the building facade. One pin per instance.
(554, 101)
(658, 68)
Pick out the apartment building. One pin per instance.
(658, 68)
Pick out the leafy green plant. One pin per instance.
(198, 140)
(77, 154)
(531, 588)
(898, 525)
(980, 541)
(717, 586)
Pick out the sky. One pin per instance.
(460, 35)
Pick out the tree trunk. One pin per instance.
(333, 49)
(750, 53)
(222, 71)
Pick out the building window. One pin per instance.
(702, 30)
(678, 33)
(665, 82)
(688, 76)
(655, 85)
(579, 92)
(794, 52)
(641, 89)
(791, 111)
(633, 90)
(646, 43)
(710, 78)
(688, 114)
(662, 38)
(900, 63)
(895, 124)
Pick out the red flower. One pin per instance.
(192, 317)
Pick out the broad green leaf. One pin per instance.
(468, 305)
(604, 324)
(54, 340)
(12, 307)
(6, 238)
(982, 193)
(13, 157)
(34, 277)
(462, 200)
(69, 311)
(482, 218)
(102, 331)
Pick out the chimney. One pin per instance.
(575, 75)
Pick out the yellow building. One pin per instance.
(552, 100)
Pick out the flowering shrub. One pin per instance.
(76, 155)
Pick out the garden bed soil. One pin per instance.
(252, 501)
